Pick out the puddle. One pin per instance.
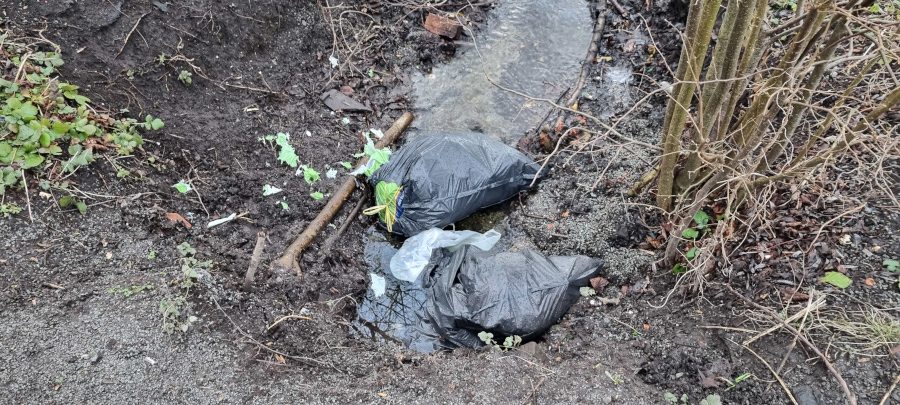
(398, 315)
(532, 46)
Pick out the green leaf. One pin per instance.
(269, 190)
(60, 127)
(691, 253)
(182, 187)
(347, 165)
(28, 110)
(690, 233)
(32, 160)
(587, 291)
(679, 269)
(5, 149)
(284, 206)
(317, 196)
(157, 124)
(186, 249)
(82, 100)
(310, 175)
(89, 130)
(66, 201)
(836, 279)
(875, 8)
(45, 138)
(892, 265)
(701, 218)
(82, 207)
(286, 154)
(712, 400)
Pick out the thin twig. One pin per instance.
(533, 390)
(837, 375)
(329, 243)
(547, 159)
(27, 197)
(889, 391)
(304, 360)
(127, 37)
(288, 317)
(829, 222)
(777, 377)
(813, 306)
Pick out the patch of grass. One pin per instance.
(615, 377)
(868, 332)
(48, 126)
(127, 292)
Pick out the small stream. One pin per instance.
(532, 46)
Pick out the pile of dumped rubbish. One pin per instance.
(445, 287)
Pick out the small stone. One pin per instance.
(338, 101)
(442, 26)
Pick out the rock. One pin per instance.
(338, 101)
(442, 26)
(537, 352)
(805, 395)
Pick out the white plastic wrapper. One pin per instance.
(378, 284)
(409, 261)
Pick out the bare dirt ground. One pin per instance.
(68, 334)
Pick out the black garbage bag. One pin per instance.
(508, 294)
(438, 179)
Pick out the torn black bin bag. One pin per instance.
(508, 294)
(445, 177)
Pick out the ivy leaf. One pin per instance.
(690, 233)
(701, 218)
(691, 253)
(836, 279)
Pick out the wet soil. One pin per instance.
(65, 338)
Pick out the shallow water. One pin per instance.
(398, 315)
(532, 46)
